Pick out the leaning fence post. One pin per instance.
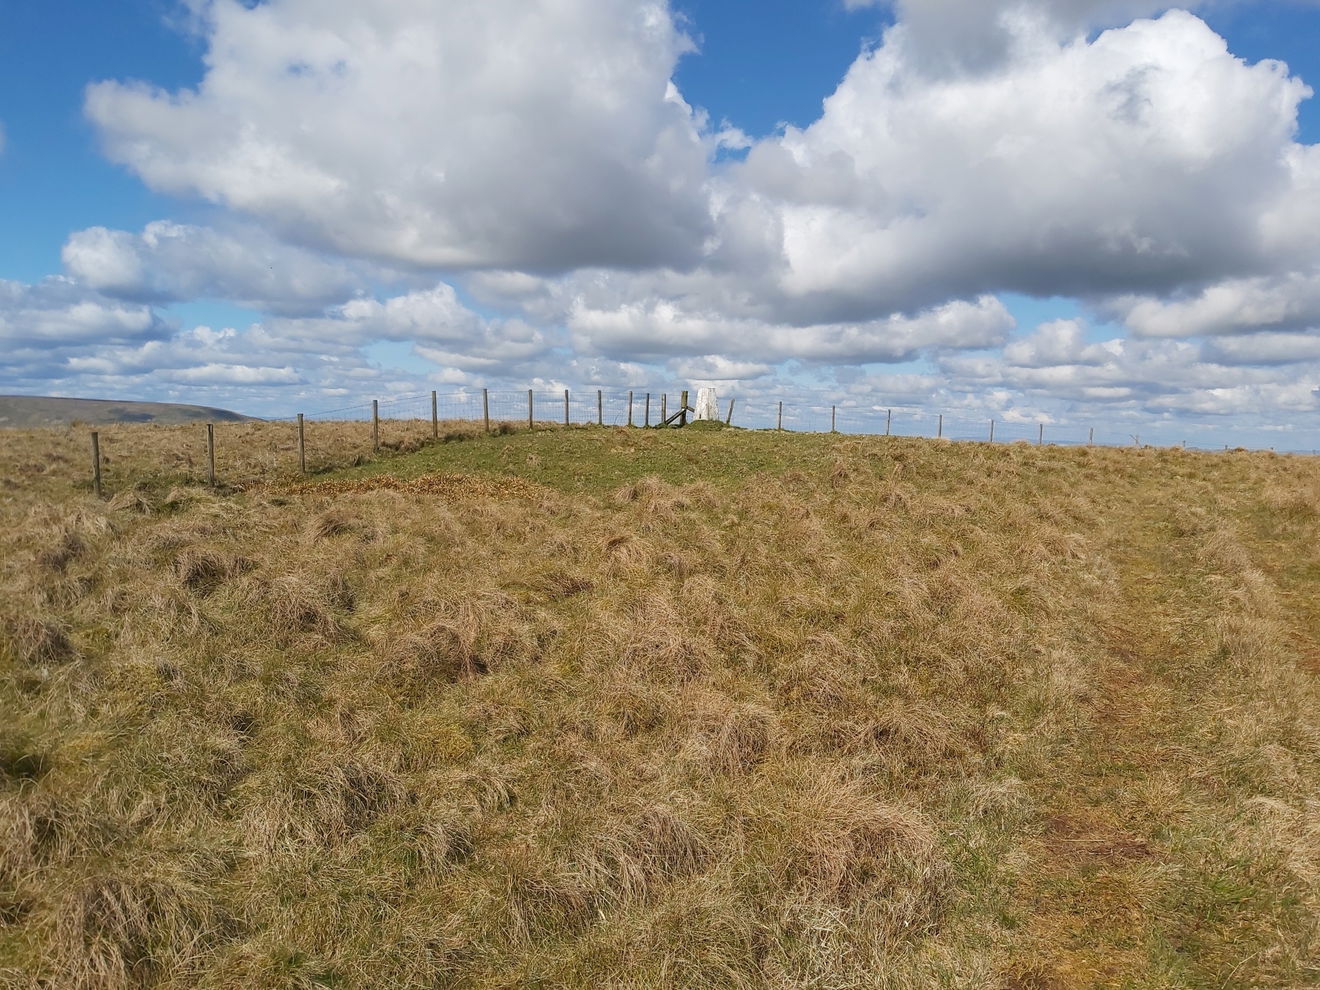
(600, 408)
(779, 423)
(729, 418)
(529, 409)
(485, 408)
(375, 425)
(302, 446)
(630, 407)
(210, 454)
(889, 420)
(96, 463)
(646, 410)
(435, 417)
(565, 407)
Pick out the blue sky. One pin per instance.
(1069, 211)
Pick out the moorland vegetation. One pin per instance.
(643, 708)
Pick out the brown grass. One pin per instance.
(644, 709)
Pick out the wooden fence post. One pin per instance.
(96, 463)
(729, 418)
(302, 446)
(779, 423)
(833, 409)
(600, 408)
(682, 419)
(992, 431)
(1040, 437)
(939, 430)
(375, 425)
(435, 417)
(889, 420)
(565, 407)
(630, 404)
(646, 410)
(210, 454)
(529, 409)
(664, 408)
(485, 408)
(1090, 437)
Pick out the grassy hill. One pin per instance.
(700, 708)
(26, 411)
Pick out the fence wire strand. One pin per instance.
(357, 430)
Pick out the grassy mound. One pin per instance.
(695, 709)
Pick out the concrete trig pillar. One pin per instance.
(707, 404)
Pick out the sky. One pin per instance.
(1070, 212)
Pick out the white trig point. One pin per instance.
(707, 404)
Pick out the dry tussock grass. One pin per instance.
(140, 462)
(874, 713)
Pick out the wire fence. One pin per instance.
(352, 432)
(636, 407)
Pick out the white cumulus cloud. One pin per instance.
(171, 261)
(1142, 161)
(658, 328)
(1265, 349)
(473, 133)
(58, 312)
(1281, 302)
(1153, 376)
(963, 35)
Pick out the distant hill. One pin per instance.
(42, 410)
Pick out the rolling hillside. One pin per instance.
(699, 708)
(26, 411)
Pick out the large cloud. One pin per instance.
(58, 312)
(42, 325)
(471, 133)
(439, 325)
(1147, 161)
(1141, 161)
(1054, 364)
(171, 261)
(1266, 349)
(1142, 165)
(657, 329)
(1281, 302)
(963, 35)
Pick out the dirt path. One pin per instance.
(1113, 891)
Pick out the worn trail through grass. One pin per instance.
(1118, 887)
